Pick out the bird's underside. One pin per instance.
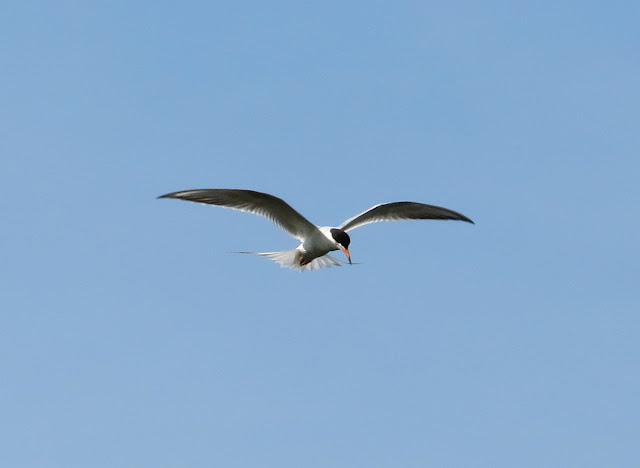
(316, 242)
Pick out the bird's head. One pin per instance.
(342, 241)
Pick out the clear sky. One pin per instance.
(130, 337)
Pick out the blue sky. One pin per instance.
(130, 337)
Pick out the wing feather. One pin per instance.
(401, 210)
(262, 204)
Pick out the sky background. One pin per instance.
(130, 337)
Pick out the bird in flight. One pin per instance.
(315, 241)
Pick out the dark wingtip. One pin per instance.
(167, 195)
(460, 217)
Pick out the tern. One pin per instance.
(315, 241)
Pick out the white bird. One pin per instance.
(316, 241)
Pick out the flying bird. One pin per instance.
(315, 241)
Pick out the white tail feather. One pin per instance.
(291, 259)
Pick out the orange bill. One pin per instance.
(346, 252)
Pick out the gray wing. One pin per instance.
(263, 204)
(401, 210)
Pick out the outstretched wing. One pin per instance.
(401, 210)
(263, 204)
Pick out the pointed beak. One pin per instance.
(346, 252)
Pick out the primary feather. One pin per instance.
(401, 210)
(263, 204)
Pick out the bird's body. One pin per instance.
(315, 241)
(318, 244)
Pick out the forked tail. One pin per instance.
(291, 259)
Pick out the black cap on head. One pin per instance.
(341, 237)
